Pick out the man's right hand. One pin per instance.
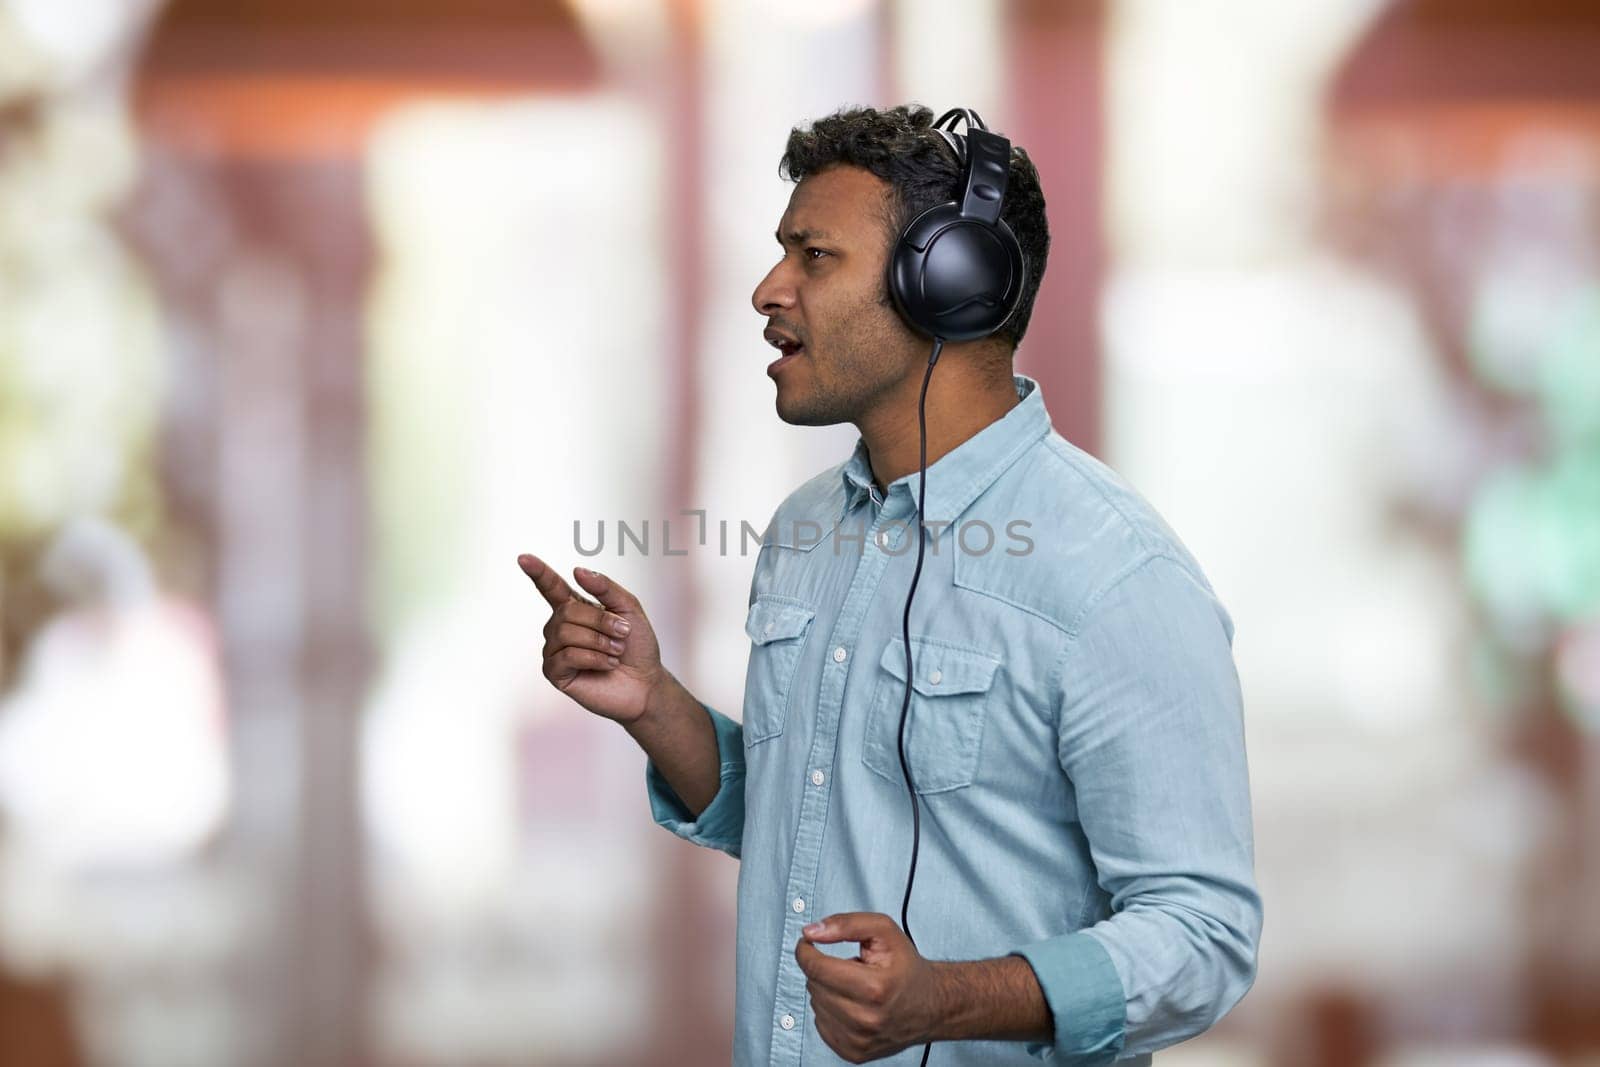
(603, 655)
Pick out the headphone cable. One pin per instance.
(905, 633)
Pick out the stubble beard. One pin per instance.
(858, 375)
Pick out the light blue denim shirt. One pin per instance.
(1075, 734)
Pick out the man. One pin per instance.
(1084, 888)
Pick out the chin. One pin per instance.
(805, 411)
(792, 413)
(791, 407)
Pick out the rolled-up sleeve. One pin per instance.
(1151, 736)
(721, 824)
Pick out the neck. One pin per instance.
(961, 401)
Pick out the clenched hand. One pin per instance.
(886, 999)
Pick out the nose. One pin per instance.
(774, 293)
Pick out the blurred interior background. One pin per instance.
(315, 313)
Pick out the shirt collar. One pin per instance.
(956, 478)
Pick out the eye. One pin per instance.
(818, 251)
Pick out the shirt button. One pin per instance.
(839, 654)
(883, 538)
(767, 629)
(787, 1022)
(935, 677)
(798, 905)
(817, 777)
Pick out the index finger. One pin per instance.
(551, 585)
(840, 975)
(862, 926)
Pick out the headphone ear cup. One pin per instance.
(955, 277)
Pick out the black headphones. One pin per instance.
(957, 273)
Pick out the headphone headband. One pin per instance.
(951, 138)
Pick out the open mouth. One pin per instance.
(789, 349)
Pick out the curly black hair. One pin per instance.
(899, 146)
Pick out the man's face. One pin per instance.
(827, 294)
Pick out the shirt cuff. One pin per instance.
(721, 824)
(1086, 999)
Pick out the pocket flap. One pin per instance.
(941, 669)
(776, 620)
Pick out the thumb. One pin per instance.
(610, 594)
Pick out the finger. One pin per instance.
(840, 1036)
(860, 926)
(849, 978)
(551, 585)
(844, 1012)
(608, 591)
(571, 635)
(584, 613)
(564, 666)
(830, 1032)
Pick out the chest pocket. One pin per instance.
(944, 727)
(777, 629)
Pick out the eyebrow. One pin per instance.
(802, 236)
